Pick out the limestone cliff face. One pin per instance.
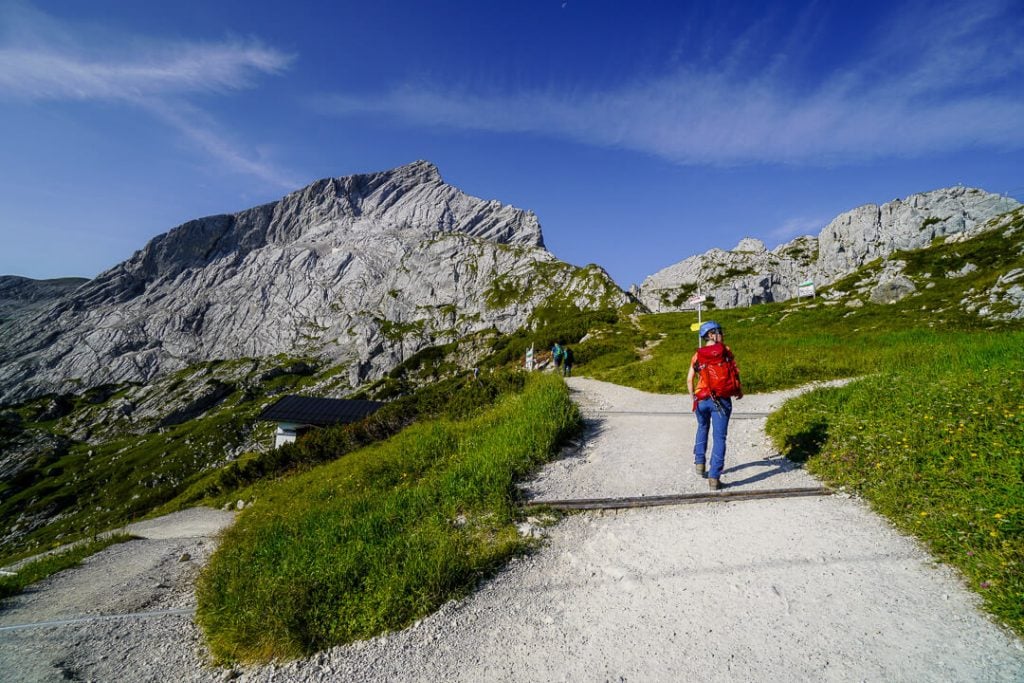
(21, 297)
(750, 273)
(364, 270)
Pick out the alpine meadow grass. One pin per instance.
(377, 539)
(938, 448)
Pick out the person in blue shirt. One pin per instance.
(557, 355)
(712, 405)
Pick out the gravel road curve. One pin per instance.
(812, 588)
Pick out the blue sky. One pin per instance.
(639, 132)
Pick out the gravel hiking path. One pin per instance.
(124, 614)
(811, 588)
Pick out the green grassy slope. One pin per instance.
(938, 448)
(377, 539)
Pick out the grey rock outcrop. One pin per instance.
(892, 290)
(363, 270)
(21, 297)
(750, 274)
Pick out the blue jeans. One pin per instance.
(708, 416)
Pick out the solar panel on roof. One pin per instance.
(319, 411)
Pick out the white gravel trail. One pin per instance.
(784, 589)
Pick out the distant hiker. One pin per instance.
(718, 380)
(557, 353)
(567, 359)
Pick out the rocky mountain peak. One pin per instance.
(364, 269)
(750, 274)
(420, 168)
(750, 245)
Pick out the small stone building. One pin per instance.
(296, 415)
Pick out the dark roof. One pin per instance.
(319, 411)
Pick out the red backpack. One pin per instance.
(719, 374)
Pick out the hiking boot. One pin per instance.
(714, 484)
(699, 469)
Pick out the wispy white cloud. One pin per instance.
(42, 60)
(941, 78)
(204, 133)
(42, 73)
(797, 226)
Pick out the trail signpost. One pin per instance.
(696, 300)
(805, 289)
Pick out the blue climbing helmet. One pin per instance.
(708, 327)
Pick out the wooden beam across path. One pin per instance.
(673, 413)
(676, 499)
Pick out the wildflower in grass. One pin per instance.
(998, 515)
(985, 584)
(923, 513)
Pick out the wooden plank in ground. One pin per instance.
(667, 413)
(676, 499)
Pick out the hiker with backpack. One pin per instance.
(557, 354)
(718, 380)
(567, 359)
